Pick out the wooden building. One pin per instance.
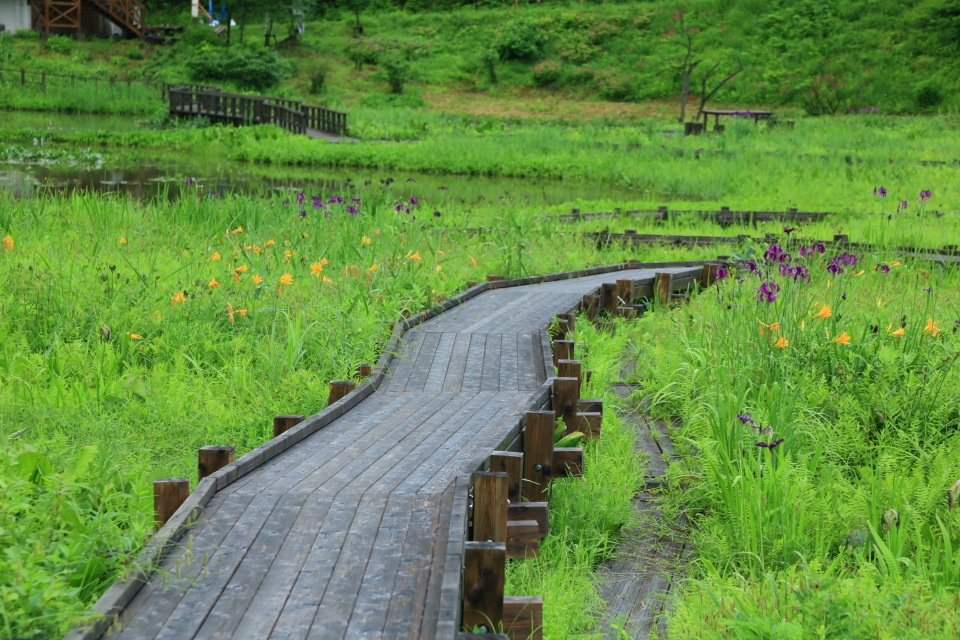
(74, 17)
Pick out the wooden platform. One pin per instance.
(340, 527)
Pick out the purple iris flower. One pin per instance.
(303, 213)
(882, 268)
(848, 259)
(745, 418)
(901, 205)
(442, 189)
(819, 247)
(789, 230)
(414, 200)
(834, 267)
(741, 279)
(355, 200)
(190, 182)
(750, 265)
(287, 201)
(317, 202)
(352, 210)
(925, 194)
(410, 180)
(720, 273)
(768, 292)
(336, 200)
(399, 208)
(770, 445)
(927, 289)
(880, 191)
(301, 197)
(806, 251)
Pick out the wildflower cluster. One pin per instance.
(761, 431)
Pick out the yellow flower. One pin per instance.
(366, 240)
(287, 255)
(286, 279)
(782, 342)
(7, 243)
(442, 253)
(257, 279)
(373, 268)
(898, 332)
(326, 279)
(324, 262)
(843, 338)
(238, 230)
(213, 283)
(269, 242)
(414, 256)
(123, 240)
(135, 336)
(932, 327)
(824, 312)
(860, 273)
(472, 260)
(240, 269)
(177, 299)
(215, 256)
(315, 269)
(439, 268)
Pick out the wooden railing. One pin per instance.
(125, 13)
(722, 216)
(292, 115)
(42, 79)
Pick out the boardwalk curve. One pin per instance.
(352, 524)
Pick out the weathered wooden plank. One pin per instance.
(423, 362)
(441, 363)
(490, 380)
(510, 363)
(510, 463)
(473, 373)
(453, 379)
(490, 506)
(484, 573)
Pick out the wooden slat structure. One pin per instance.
(243, 110)
(355, 522)
(723, 216)
(76, 16)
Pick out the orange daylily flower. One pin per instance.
(899, 332)
(177, 299)
(366, 240)
(287, 255)
(242, 312)
(269, 242)
(860, 273)
(843, 338)
(414, 256)
(135, 336)
(932, 327)
(238, 230)
(782, 342)
(240, 269)
(257, 279)
(442, 253)
(376, 232)
(373, 268)
(326, 279)
(230, 312)
(257, 249)
(286, 279)
(315, 269)
(472, 260)
(215, 256)
(213, 283)
(825, 312)
(7, 243)
(439, 268)
(324, 262)
(895, 263)
(123, 240)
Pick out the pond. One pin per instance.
(45, 168)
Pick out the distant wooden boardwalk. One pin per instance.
(353, 524)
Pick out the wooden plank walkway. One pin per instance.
(344, 534)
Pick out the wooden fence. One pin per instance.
(44, 79)
(724, 216)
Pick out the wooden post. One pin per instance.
(490, 506)
(168, 495)
(537, 455)
(571, 319)
(558, 329)
(213, 458)
(484, 576)
(364, 370)
(523, 539)
(840, 238)
(562, 350)
(587, 375)
(471, 284)
(284, 423)
(494, 278)
(539, 512)
(510, 463)
(590, 306)
(523, 617)
(566, 392)
(571, 369)
(706, 275)
(567, 462)
(625, 292)
(340, 388)
(608, 297)
(663, 287)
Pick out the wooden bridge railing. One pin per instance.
(218, 106)
(722, 216)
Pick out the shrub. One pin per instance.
(135, 53)
(250, 68)
(612, 84)
(24, 34)
(363, 51)
(60, 44)
(392, 101)
(927, 94)
(546, 73)
(519, 39)
(395, 69)
(317, 74)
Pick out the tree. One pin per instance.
(688, 62)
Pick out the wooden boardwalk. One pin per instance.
(347, 526)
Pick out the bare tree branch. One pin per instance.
(704, 96)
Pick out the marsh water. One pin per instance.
(30, 170)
